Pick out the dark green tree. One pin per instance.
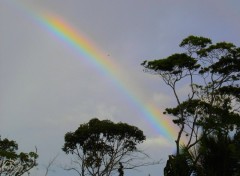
(13, 163)
(177, 165)
(218, 156)
(101, 147)
(210, 105)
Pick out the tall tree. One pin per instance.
(12, 163)
(103, 147)
(210, 106)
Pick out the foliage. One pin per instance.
(209, 108)
(12, 163)
(100, 146)
(218, 156)
(177, 166)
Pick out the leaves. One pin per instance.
(101, 144)
(212, 104)
(97, 131)
(173, 64)
(196, 41)
(219, 155)
(12, 163)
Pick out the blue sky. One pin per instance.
(46, 90)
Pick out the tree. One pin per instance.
(177, 165)
(218, 156)
(12, 163)
(210, 107)
(103, 147)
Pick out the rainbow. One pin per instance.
(89, 52)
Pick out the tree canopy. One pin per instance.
(13, 163)
(209, 108)
(103, 147)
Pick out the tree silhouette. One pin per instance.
(101, 146)
(210, 106)
(12, 163)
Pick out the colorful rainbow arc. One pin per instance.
(92, 54)
(87, 49)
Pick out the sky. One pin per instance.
(51, 82)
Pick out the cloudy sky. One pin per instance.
(48, 87)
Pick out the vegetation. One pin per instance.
(12, 163)
(208, 113)
(103, 147)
